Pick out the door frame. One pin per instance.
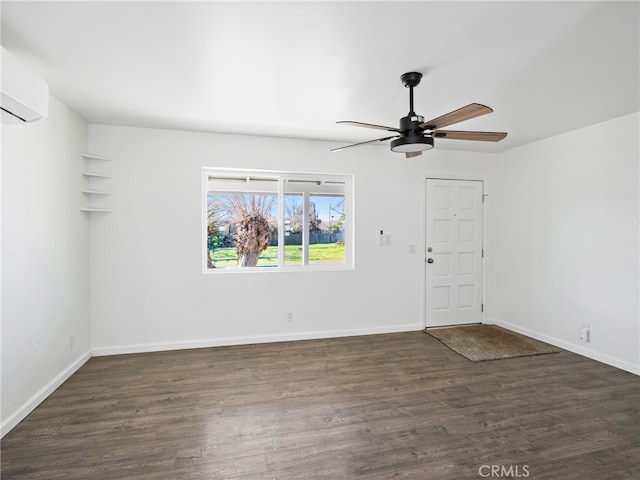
(423, 210)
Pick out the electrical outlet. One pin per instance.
(290, 317)
(585, 332)
(412, 249)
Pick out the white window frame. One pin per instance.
(306, 183)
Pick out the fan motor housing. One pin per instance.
(411, 123)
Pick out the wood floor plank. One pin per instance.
(376, 407)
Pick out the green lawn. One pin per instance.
(318, 253)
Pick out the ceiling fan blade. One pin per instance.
(472, 110)
(368, 125)
(464, 135)
(363, 143)
(412, 154)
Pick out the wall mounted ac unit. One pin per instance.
(24, 97)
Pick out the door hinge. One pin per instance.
(482, 307)
(483, 253)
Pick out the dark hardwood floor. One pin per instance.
(397, 406)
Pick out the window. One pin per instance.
(260, 220)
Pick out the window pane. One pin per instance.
(242, 229)
(244, 224)
(326, 229)
(293, 225)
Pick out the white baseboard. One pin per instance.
(229, 341)
(585, 352)
(25, 409)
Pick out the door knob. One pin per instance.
(429, 260)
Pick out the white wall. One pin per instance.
(148, 291)
(45, 259)
(564, 243)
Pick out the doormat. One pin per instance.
(488, 342)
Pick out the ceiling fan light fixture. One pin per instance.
(414, 135)
(413, 143)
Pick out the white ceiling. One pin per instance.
(293, 69)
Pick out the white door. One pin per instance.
(454, 252)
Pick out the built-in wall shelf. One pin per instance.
(96, 183)
(95, 174)
(90, 156)
(95, 192)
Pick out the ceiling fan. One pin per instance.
(415, 135)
